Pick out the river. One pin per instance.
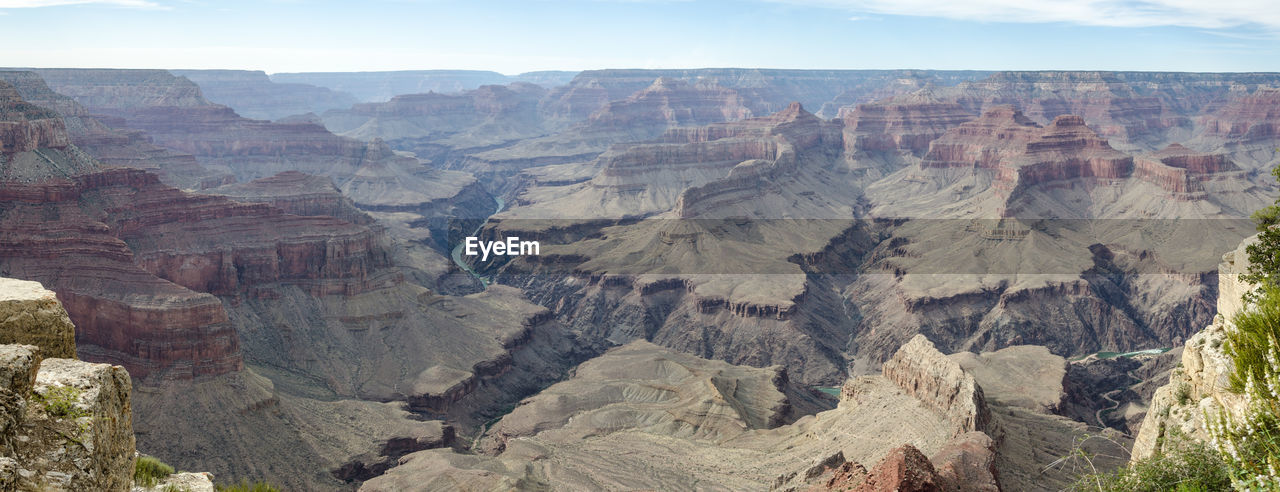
(457, 250)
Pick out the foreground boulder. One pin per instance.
(31, 314)
(65, 424)
(77, 428)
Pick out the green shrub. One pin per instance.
(148, 471)
(60, 401)
(1183, 395)
(1250, 342)
(1251, 445)
(245, 486)
(1184, 465)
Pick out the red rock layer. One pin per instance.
(908, 124)
(1181, 170)
(1067, 149)
(670, 103)
(1247, 118)
(123, 314)
(1000, 134)
(101, 137)
(135, 262)
(25, 127)
(1111, 105)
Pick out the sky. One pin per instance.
(527, 35)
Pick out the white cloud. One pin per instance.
(27, 4)
(1217, 14)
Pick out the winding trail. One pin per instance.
(1115, 404)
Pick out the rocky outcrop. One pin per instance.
(67, 424)
(26, 127)
(1027, 376)
(940, 382)
(1201, 386)
(1180, 170)
(1065, 150)
(32, 315)
(1001, 133)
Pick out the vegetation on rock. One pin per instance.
(245, 486)
(60, 401)
(150, 471)
(1185, 465)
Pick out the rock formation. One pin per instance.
(1201, 385)
(641, 416)
(112, 146)
(64, 423)
(32, 315)
(906, 123)
(254, 95)
(940, 383)
(169, 284)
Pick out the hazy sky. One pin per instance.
(525, 35)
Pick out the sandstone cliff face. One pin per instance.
(27, 127)
(66, 424)
(1201, 385)
(32, 315)
(940, 382)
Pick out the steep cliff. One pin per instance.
(1201, 384)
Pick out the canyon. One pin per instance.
(269, 256)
